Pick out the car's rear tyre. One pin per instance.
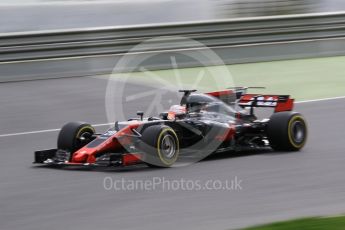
(287, 131)
(75, 135)
(160, 145)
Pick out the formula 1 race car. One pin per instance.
(201, 124)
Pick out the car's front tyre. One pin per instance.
(160, 145)
(75, 135)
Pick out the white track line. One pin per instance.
(44, 131)
(317, 100)
(106, 124)
(32, 132)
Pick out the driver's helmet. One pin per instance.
(175, 111)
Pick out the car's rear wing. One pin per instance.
(232, 94)
(280, 103)
(239, 95)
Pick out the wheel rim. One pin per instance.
(83, 139)
(298, 132)
(168, 146)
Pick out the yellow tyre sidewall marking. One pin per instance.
(84, 128)
(168, 163)
(291, 140)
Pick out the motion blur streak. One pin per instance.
(33, 15)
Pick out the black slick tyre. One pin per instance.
(160, 145)
(74, 135)
(287, 131)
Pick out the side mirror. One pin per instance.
(163, 116)
(116, 127)
(141, 114)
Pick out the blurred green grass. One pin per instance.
(304, 79)
(316, 223)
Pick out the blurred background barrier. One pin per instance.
(245, 8)
(67, 53)
(38, 15)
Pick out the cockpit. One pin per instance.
(197, 103)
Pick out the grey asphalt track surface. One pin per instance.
(275, 186)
